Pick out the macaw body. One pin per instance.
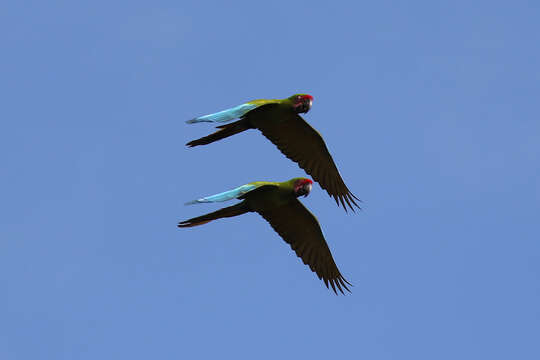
(278, 120)
(277, 203)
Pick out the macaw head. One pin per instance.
(301, 102)
(302, 187)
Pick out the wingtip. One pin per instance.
(343, 203)
(333, 286)
(353, 197)
(339, 286)
(344, 283)
(350, 199)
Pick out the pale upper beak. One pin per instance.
(307, 105)
(307, 187)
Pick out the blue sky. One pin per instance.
(429, 109)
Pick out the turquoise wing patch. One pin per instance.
(224, 196)
(225, 115)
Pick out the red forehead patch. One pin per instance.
(302, 182)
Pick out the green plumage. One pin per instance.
(279, 121)
(277, 203)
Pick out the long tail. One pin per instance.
(235, 210)
(226, 115)
(224, 131)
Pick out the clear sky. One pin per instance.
(430, 109)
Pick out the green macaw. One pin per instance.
(277, 203)
(279, 121)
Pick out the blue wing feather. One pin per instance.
(224, 196)
(225, 115)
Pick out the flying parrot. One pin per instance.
(277, 203)
(279, 121)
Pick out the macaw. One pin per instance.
(278, 120)
(277, 203)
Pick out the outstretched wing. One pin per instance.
(301, 143)
(299, 228)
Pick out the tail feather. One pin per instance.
(223, 132)
(225, 115)
(235, 210)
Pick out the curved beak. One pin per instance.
(304, 105)
(307, 105)
(307, 187)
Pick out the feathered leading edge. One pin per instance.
(235, 210)
(224, 131)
